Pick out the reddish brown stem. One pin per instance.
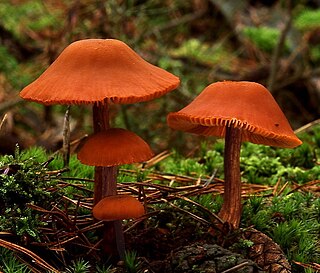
(105, 184)
(100, 117)
(231, 208)
(105, 177)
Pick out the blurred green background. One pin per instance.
(275, 43)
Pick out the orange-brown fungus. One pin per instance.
(246, 105)
(114, 146)
(95, 70)
(118, 207)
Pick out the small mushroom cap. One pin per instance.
(112, 147)
(95, 70)
(246, 105)
(118, 207)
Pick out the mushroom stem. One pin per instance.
(66, 138)
(105, 184)
(105, 177)
(100, 116)
(231, 208)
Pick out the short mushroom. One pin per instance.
(109, 148)
(118, 207)
(239, 111)
(113, 209)
(113, 147)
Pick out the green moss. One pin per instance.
(307, 19)
(291, 220)
(202, 52)
(264, 38)
(23, 181)
(11, 264)
(30, 14)
(298, 239)
(182, 166)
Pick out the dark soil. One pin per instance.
(193, 247)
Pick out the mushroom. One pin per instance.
(100, 72)
(118, 207)
(112, 147)
(239, 111)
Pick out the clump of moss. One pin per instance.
(24, 182)
(291, 220)
(202, 52)
(307, 19)
(264, 38)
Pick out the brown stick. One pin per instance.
(231, 208)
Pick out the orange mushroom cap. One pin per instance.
(94, 70)
(114, 146)
(118, 207)
(246, 105)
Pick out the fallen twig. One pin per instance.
(42, 263)
(308, 126)
(313, 266)
(236, 267)
(196, 217)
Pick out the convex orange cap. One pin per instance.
(118, 207)
(115, 146)
(94, 70)
(246, 105)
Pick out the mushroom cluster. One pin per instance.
(105, 71)
(238, 111)
(101, 72)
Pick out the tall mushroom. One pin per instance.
(239, 111)
(100, 72)
(114, 147)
